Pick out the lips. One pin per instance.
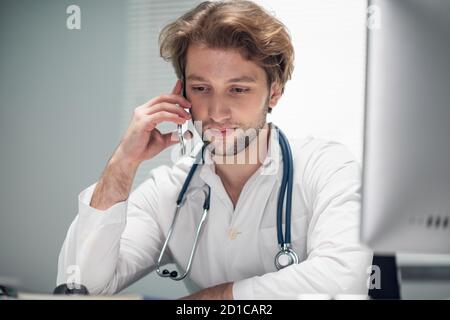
(221, 131)
(221, 128)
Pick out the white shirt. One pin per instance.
(115, 247)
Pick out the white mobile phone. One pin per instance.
(180, 126)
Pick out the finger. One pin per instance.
(171, 98)
(164, 106)
(177, 89)
(170, 138)
(154, 119)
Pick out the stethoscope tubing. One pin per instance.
(286, 185)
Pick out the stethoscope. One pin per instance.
(285, 257)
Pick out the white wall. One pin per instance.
(326, 94)
(60, 96)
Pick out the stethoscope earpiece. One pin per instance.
(167, 273)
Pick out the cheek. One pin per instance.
(198, 112)
(251, 105)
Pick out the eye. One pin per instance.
(240, 90)
(199, 89)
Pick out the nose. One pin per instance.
(218, 111)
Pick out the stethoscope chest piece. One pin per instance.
(285, 257)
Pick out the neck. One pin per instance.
(235, 170)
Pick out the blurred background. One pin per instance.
(67, 95)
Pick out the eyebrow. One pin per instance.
(238, 79)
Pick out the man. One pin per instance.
(234, 59)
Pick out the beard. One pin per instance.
(236, 140)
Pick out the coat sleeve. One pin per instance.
(336, 261)
(107, 250)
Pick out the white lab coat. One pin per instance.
(113, 248)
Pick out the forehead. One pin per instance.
(215, 63)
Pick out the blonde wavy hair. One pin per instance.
(235, 24)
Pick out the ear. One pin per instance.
(275, 94)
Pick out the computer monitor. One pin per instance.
(406, 157)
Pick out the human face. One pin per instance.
(229, 97)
